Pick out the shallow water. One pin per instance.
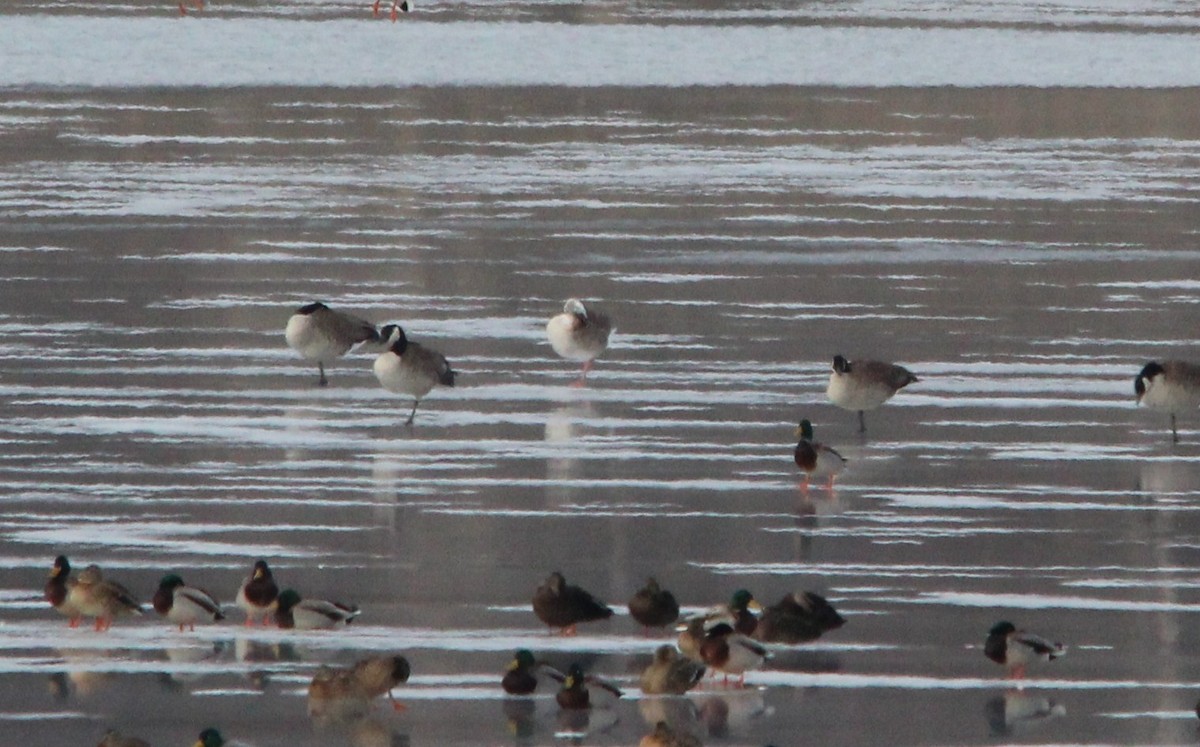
(1023, 249)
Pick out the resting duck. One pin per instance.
(367, 679)
(798, 618)
(523, 674)
(58, 587)
(670, 673)
(560, 605)
(579, 334)
(865, 385)
(258, 594)
(654, 607)
(731, 653)
(1170, 386)
(104, 600)
(738, 614)
(1016, 649)
(664, 736)
(579, 692)
(410, 368)
(320, 334)
(815, 459)
(295, 613)
(185, 605)
(742, 607)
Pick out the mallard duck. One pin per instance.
(94, 596)
(258, 594)
(654, 607)
(560, 605)
(670, 673)
(731, 653)
(742, 606)
(318, 333)
(367, 679)
(664, 736)
(185, 605)
(1016, 649)
(815, 459)
(210, 738)
(798, 618)
(293, 612)
(409, 368)
(114, 738)
(579, 334)
(865, 385)
(524, 674)
(691, 635)
(1171, 386)
(579, 692)
(397, 6)
(58, 587)
(739, 614)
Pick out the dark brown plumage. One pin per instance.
(654, 607)
(560, 605)
(798, 618)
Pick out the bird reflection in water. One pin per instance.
(1018, 710)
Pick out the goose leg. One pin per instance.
(862, 422)
(1174, 432)
(322, 381)
(412, 414)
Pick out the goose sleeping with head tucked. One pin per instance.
(865, 385)
(322, 335)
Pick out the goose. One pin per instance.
(366, 680)
(410, 368)
(58, 587)
(579, 334)
(814, 458)
(653, 606)
(258, 594)
(664, 736)
(730, 652)
(798, 618)
(105, 600)
(1016, 649)
(560, 605)
(292, 612)
(1170, 386)
(864, 385)
(670, 673)
(318, 333)
(580, 692)
(185, 605)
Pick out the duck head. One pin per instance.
(804, 430)
(61, 567)
(743, 599)
(522, 659)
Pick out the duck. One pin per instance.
(294, 613)
(580, 692)
(57, 590)
(1016, 649)
(185, 605)
(258, 594)
(730, 652)
(798, 618)
(670, 673)
(320, 334)
(579, 334)
(114, 738)
(397, 7)
(210, 737)
(814, 458)
(1170, 386)
(524, 673)
(653, 606)
(739, 614)
(410, 368)
(94, 596)
(664, 736)
(691, 635)
(367, 679)
(560, 605)
(865, 384)
(742, 606)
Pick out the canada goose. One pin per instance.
(185, 605)
(1170, 386)
(318, 333)
(293, 612)
(560, 605)
(670, 673)
(653, 606)
(57, 589)
(814, 458)
(410, 368)
(865, 385)
(579, 334)
(1016, 649)
(258, 594)
(94, 596)
(580, 691)
(798, 618)
(729, 652)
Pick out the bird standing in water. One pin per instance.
(864, 385)
(1017, 649)
(579, 334)
(410, 368)
(814, 458)
(320, 334)
(1171, 386)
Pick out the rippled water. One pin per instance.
(1023, 249)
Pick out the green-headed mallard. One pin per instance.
(58, 587)
(410, 368)
(1170, 386)
(1016, 649)
(815, 459)
(320, 334)
(367, 679)
(185, 605)
(258, 594)
(731, 653)
(654, 607)
(114, 738)
(742, 606)
(210, 738)
(579, 334)
(94, 596)
(865, 385)
(798, 618)
(579, 691)
(664, 736)
(524, 673)
(670, 673)
(293, 612)
(561, 605)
